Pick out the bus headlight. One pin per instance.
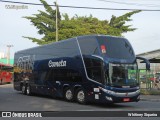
(138, 91)
(107, 91)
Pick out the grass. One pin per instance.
(150, 92)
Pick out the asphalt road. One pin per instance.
(11, 100)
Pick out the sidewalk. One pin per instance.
(155, 98)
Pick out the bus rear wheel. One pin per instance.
(68, 94)
(28, 90)
(24, 89)
(81, 96)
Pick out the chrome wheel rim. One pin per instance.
(80, 96)
(28, 90)
(69, 95)
(23, 89)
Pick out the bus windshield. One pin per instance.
(123, 75)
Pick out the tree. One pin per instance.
(118, 24)
(45, 23)
(76, 26)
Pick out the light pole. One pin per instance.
(56, 22)
(8, 53)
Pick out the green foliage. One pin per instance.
(150, 92)
(118, 23)
(45, 22)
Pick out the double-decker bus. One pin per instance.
(5, 73)
(96, 68)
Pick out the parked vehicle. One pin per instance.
(5, 73)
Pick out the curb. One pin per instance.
(153, 100)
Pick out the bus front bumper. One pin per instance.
(117, 97)
(114, 99)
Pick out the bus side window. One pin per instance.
(35, 75)
(49, 75)
(94, 69)
(41, 77)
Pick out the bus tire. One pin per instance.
(81, 96)
(24, 89)
(28, 90)
(68, 94)
(1, 82)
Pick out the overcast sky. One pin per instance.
(144, 39)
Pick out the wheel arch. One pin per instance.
(76, 87)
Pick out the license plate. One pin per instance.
(126, 100)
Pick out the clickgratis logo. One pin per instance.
(57, 64)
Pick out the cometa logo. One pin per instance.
(57, 64)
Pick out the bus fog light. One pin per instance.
(109, 98)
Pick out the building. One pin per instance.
(4, 61)
(2, 55)
(154, 58)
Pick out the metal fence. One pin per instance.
(149, 79)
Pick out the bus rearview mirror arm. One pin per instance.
(145, 61)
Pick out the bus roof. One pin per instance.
(74, 38)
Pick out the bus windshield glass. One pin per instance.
(123, 74)
(114, 47)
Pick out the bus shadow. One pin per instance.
(91, 104)
(110, 105)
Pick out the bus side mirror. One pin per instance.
(145, 61)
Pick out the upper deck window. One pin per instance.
(114, 47)
(89, 45)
